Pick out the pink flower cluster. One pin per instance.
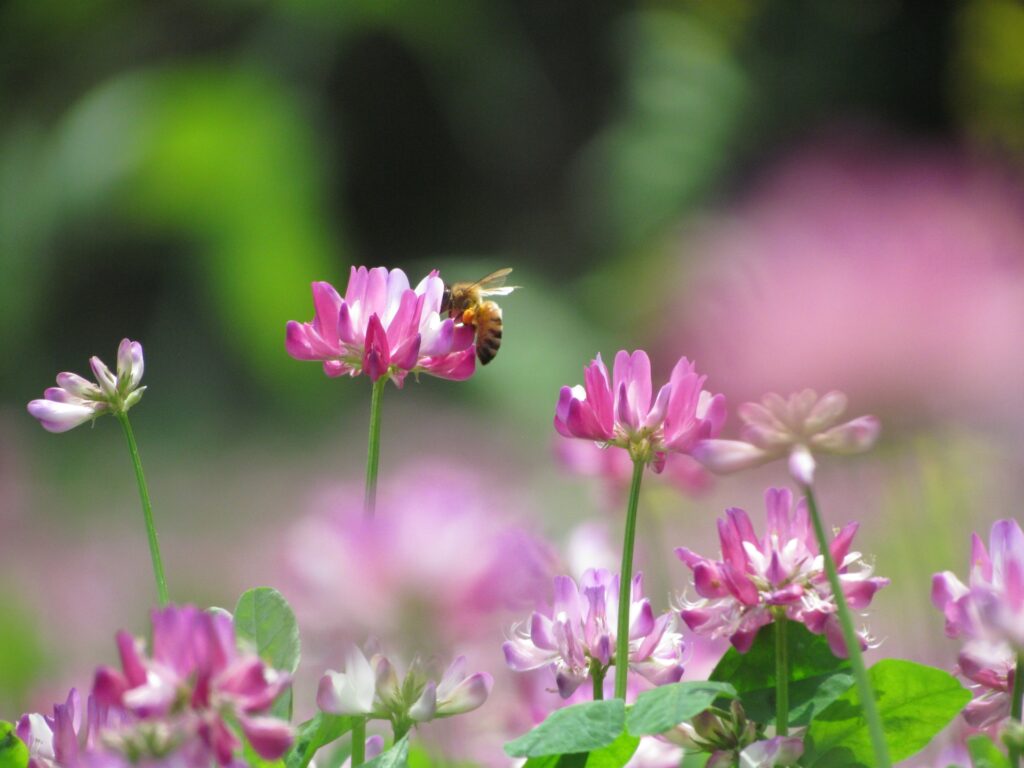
(988, 614)
(180, 705)
(619, 411)
(576, 638)
(382, 327)
(782, 573)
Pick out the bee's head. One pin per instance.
(446, 300)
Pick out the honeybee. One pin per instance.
(467, 303)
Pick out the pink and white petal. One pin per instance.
(61, 417)
(854, 436)
(726, 456)
(468, 695)
(78, 386)
(825, 413)
(802, 465)
(269, 736)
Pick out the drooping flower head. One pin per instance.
(990, 606)
(382, 327)
(579, 634)
(371, 688)
(76, 400)
(193, 686)
(618, 410)
(781, 573)
(793, 427)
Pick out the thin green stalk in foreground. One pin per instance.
(625, 583)
(359, 742)
(147, 510)
(852, 641)
(373, 449)
(781, 676)
(1016, 705)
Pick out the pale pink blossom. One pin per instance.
(618, 410)
(991, 667)
(372, 688)
(795, 428)
(991, 605)
(783, 572)
(579, 634)
(194, 683)
(76, 400)
(382, 327)
(681, 471)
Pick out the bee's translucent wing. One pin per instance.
(494, 283)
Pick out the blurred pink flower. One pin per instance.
(431, 562)
(578, 633)
(618, 411)
(783, 572)
(194, 684)
(69, 737)
(382, 327)
(76, 400)
(898, 272)
(778, 427)
(991, 667)
(681, 471)
(991, 605)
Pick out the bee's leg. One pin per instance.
(468, 317)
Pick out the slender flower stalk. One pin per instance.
(1016, 706)
(359, 741)
(147, 510)
(373, 449)
(597, 673)
(625, 578)
(850, 637)
(781, 676)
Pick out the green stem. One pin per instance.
(852, 641)
(625, 583)
(373, 449)
(781, 676)
(147, 511)
(1016, 706)
(358, 741)
(597, 673)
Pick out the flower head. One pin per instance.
(382, 327)
(76, 400)
(734, 741)
(991, 605)
(372, 688)
(796, 427)
(579, 634)
(193, 685)
(619, 411)
(780, 574)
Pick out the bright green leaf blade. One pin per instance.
(817, 676)
(315, 733)
(985, 754)
(664, 707)
(616, 754)
(914, 702)
(264, 619)
(579, 728)
(13, 752)
(395, 757)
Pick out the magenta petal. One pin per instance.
(269, 736)
(108, 686)
(840, 545)
(376, 354)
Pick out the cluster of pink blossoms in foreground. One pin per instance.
(177, 705)
(576, 638)
(988, 614)
(782, 573)
(383, 328)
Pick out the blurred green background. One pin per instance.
(179, 172)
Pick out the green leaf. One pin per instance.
(579, 728)
(264, 619)
(13, 752)
(817, 677)
(985, 754)
(914, 702)
(664, 707)
(395, 757)
(615, 755)
(315, 733)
